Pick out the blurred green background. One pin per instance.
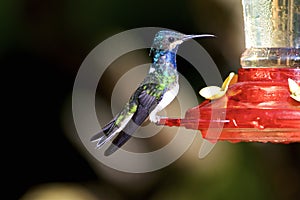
(42, 45)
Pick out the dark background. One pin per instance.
(43, 43)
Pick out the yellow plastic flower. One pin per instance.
(294, 89)
(215, 92)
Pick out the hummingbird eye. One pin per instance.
(171, 39)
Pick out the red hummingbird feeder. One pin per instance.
(261, 103)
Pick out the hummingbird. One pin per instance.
(157, 90)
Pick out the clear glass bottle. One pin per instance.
(272, 33)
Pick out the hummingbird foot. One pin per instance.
(154, 118)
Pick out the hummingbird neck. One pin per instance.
(164, 57)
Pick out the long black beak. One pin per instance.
(187, 37)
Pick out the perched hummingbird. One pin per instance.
(158, 89)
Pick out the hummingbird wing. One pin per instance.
(148, 96)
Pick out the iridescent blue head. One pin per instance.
(166, 43)
(166, 40)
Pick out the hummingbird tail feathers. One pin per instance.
(138, 118)
(104, 135)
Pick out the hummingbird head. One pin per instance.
(167, 40)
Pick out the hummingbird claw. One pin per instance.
(154, 118)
